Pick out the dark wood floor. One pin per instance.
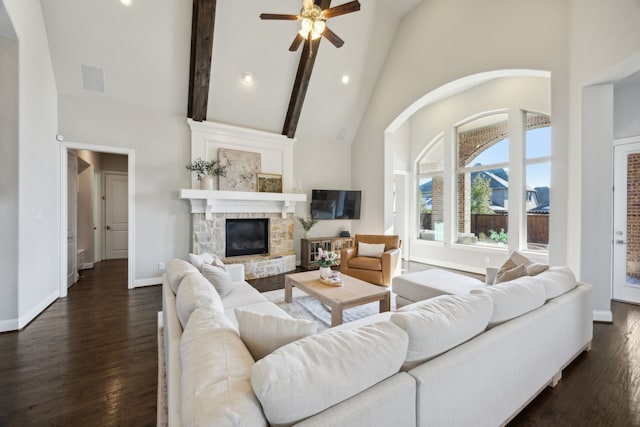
(91, 360)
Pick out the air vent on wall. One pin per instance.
(93, 78)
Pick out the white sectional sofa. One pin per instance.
(458, 360)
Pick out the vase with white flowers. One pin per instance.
(206, 170)
(325, 260)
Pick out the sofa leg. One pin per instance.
(588, 346)
(556, 379)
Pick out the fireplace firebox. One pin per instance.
(246, 236)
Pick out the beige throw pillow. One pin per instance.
(264, 333)
(373, 250)
(219, 278)
(518, 265)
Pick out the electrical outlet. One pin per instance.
(161, 266)
(487, 260)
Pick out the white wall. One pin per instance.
(428, 51)
(322, 166)
(8, 176)
(162, 149)
(626, 105)
(85, 203)
(38, 206)
(605, 47)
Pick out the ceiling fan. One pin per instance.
(313, 21)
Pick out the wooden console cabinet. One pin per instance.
(309, 249)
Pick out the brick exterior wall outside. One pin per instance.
(633, 215)
(437, 199)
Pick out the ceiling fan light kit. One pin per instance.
(313, 22)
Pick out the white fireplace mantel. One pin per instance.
(210, 202)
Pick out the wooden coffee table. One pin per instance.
(354, 292)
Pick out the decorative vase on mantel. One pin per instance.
(307, 234)
(206, 183)
(325, 272)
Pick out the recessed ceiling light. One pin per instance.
(345, 79)
(247, 78)
(126, 2)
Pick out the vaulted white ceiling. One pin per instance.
(143, 51)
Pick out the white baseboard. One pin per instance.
(9, 325)
(86, 266)
(35, 311)
(602, 316)
(151, 281)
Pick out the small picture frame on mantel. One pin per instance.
(269, 182)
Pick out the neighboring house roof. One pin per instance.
(540, 209)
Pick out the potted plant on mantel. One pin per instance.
(206, 170)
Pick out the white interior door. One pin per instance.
(72, 215)
(626, 220)
(116, 216)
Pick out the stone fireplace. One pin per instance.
(209, 235)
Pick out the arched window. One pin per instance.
(483, 180)
(430, 174)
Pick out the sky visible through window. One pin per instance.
(538, 144)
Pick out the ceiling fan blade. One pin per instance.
(296, 43)
(307, 4)
(332, 37)
(279, 16)
(352, 6)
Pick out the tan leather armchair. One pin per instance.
(378, 271)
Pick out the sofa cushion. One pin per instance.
(194, 292)
(312, 374)
(370, 249)
(218, 277)
(264, 333)
(514, 298)
(175, 270)
(441, 323)
(366, 263)
(557, 281)
(242, 294)
(209, 316)
(216, 385)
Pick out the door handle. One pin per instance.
(108, 227)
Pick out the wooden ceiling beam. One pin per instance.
(204, 15)
(303, 76)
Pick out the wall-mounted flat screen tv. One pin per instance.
(335, 204)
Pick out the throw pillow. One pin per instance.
(213, 259)
(373, 250)
(264, 333)
(196, 261)
(219, 278)
(512, 274)
(511, 270)
(317, 372)
(207, 258)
